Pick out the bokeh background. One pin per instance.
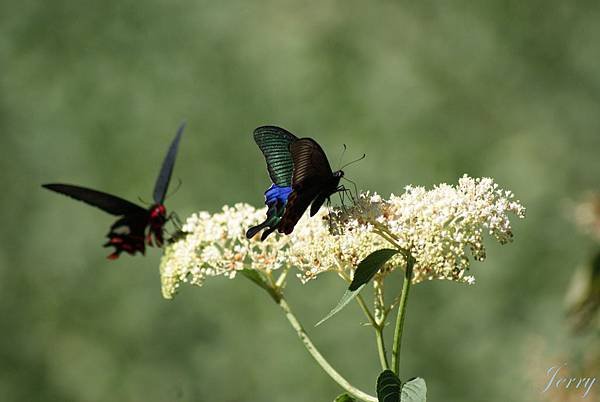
(92, 92)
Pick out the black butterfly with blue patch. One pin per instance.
(300, 175)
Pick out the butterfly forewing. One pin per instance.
(109, 203)
(164, 177)
(274, 143)
(309, 162)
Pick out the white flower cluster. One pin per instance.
(215, 244)
(436, 227)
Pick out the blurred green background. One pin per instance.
(92, 92)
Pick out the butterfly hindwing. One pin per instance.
(276, 200)
(312, 182)
(108, 203)
(274, 142)
(164, 176)
(128, 234)
(298, 202)
(318, 202)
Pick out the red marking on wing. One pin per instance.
(129, 235)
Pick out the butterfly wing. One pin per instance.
(274, 142)
(318, 202)
(164, 177)
(109, 203)
(311, 178)
(298, 202)
(310, 161)
(276, 200)
(128, 234)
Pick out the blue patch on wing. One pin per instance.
(276, 193)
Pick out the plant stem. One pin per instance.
(381, 348)
(365, 309)
(377, 326)
(342, 382)
(401, 315)
(378, 333)
(281, 280)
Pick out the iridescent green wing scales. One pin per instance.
(274, 142)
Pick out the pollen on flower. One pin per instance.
(442, 229)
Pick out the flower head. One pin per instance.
(439, 228)
(216, 245)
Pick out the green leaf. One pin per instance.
(365, 271)
(346, 298)
(388, 387)
(259, 279)
(414, 391)
(344, 398)
(368, 267)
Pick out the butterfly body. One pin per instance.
(301, 176)
(137, 226)
(156, 222)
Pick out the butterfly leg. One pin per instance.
(340, 191)
(344, 192)
(355, 189)
(175, 219)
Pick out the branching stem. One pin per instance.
(312, 349)
(378, 327)
(401, 315)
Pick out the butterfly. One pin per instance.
(128, 234)
(301, 176)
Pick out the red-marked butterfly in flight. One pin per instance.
(129, 233)
(301, 176)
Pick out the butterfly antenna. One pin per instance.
(140, 199)
(179, 182)
(342, 155)
(354, 161)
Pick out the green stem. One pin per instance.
(281, 280)
(365, 309)
(378, 333)
(342, 382)
(387, 237)
(378, 327)
(381, 348)
(391, 238)
(401, 315)
(360, 301)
